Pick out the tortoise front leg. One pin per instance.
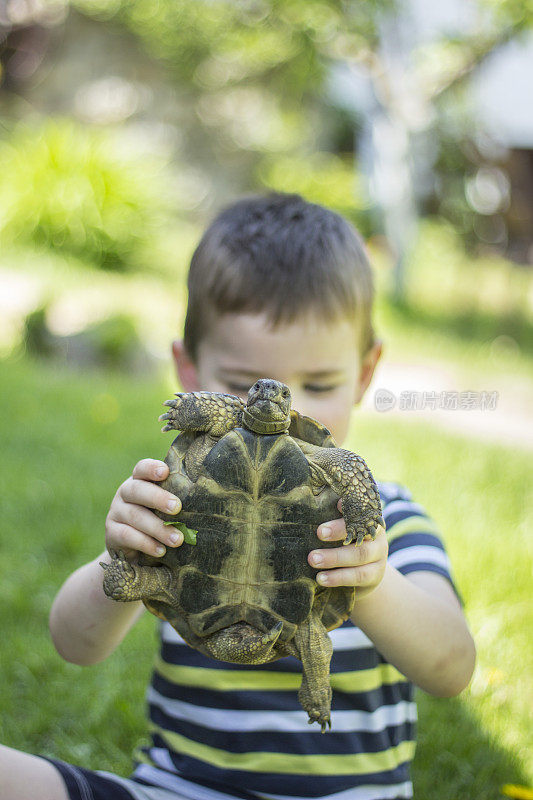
(204, 412)
(314, 650)
(127, 582)
(349, 476)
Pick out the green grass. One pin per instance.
(70, 439)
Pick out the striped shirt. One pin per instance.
(223, 730)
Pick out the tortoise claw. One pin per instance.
(358, 535)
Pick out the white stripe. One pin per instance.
(286, 721)
(370, 792)
(172, 781)
(193, 791)
(169, 635)
(341, 638)
(399, 505)
(349, 639)
(394, 489)
(138, 792)
(420, 553)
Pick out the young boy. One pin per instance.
(278, 288)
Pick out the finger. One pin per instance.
(145, 493)
(124, 536)
(144, 521)
(333, 530)
(366, 575)
(149, 469)
(369, 551)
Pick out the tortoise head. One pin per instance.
(268, 409)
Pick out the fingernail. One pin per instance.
(317, 558)
(175, 537)
(173, 506)
(160, 471)
(325, 532)
(159, 550)
(322, 577)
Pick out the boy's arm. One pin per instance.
(86, 625)
(417, 624)
(415, 621)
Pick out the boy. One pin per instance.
(278, 288)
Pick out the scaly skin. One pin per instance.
(350, 478)
(205, 412)
(126, 582)
(314, 650)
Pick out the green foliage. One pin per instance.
(74, 189)
(252, 72)
(323, 178)
(61, 469)
(214, 44)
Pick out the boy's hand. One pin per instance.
(362, 566)
(130, 526)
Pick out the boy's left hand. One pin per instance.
(362, 566)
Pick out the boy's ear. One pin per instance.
(185, 367)
(368, 366)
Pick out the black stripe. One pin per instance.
(310, 742)
(277, 783)
(424, 566)
(404, 513)
(244, 700)
(416, 539)
(79, 781)
(342, 660)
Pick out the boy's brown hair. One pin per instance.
(281, 256)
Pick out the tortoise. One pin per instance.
(255, 480)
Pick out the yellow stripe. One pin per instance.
(412, 525)
(141, 756)
(351, 764)
(364, 680)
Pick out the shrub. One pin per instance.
(77, 190)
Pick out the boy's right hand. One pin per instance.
(130, 526)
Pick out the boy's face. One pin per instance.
(318, 360)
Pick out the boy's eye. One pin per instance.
(312, 387)
(238, 389)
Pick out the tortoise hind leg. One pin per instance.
(314, 649)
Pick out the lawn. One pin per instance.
(70, 438)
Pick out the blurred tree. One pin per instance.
(255, 74)
(255, 77)
(257, 69)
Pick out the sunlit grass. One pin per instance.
(70, 440)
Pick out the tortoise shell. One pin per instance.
(256, 513)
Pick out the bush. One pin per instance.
(74, 189)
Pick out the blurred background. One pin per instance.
(125, 126)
